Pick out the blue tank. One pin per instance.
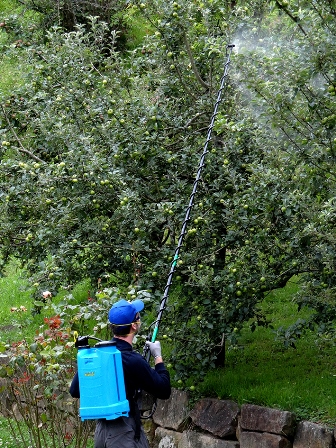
(101, 382)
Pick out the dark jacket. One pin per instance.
(138, 375)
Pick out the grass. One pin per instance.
(8, 6)
(7, 440)
(261, 371)
(137, 29)
(12, 67)
(11, 75)
(14, 293)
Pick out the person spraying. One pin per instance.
(126, 431)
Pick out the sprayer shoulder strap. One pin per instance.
(135, 413)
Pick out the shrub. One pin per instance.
(38, 377)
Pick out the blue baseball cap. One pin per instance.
(123, 312)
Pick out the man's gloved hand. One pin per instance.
(155, 348)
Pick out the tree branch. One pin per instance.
(193, 65)
(21, 147)
(290, 15)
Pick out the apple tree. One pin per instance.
(100, 151)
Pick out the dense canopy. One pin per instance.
(101, 143)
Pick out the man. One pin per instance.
(127, 432)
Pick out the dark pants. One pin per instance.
(118, 433)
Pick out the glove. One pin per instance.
(155, 348)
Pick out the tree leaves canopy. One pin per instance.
(100, 150)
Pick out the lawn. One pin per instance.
(261, 371)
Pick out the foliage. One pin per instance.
(69, 13)
(99, 149)
(38, 376)
(297, 104)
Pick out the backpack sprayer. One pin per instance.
(100, 373)
(101, 380)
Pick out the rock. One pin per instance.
(4, 397)
(17, 412)
(263, 440)
(165, 438)
(172, 413)
(193, 439)
(257, 418)
(149, 429)
(311, 435)
(219, 417)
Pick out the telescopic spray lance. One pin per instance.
(152, 336)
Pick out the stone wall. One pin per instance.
(212, 423)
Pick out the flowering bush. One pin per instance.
(38, 377)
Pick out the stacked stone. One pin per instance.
(223, 424)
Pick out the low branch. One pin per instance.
(193, 65)
(193, 119)
(21, 147)
(290, 15)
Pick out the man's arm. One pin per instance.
(154, 381)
